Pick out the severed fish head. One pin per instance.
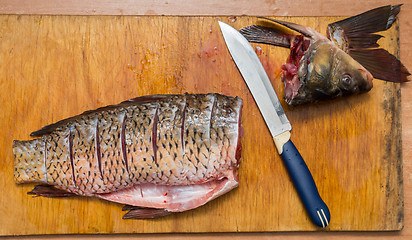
(322, 71)
(343, 63)
(316, 68)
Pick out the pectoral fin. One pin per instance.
(381, 64)
(267, 35)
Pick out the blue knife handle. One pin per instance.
(305, 185)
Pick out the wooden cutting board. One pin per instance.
(54, 67)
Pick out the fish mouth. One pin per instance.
(289, 74)
(369, 79)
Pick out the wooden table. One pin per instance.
(258, 7)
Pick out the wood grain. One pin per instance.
(194, 7)
(53, 67)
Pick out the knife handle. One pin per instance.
(302, 179)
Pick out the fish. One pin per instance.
(156, 154)
(342, 63)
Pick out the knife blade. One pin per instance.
(279, 126)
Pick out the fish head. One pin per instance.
(324, 72)
(334, 72)
(316, 68)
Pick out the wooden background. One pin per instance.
(100, 92)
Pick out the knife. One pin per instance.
(279, 126)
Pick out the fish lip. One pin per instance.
(369, 79)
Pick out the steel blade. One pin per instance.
(256, 79)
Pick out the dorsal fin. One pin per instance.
(361, 26)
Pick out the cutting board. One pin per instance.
(54, 67)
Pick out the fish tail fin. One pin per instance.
(267, 35)
(356, 36)
(29, 164)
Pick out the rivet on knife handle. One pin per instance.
(302, 179)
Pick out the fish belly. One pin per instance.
(173, 198)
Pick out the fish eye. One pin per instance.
(346, 79)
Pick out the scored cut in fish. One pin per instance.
(157, 154)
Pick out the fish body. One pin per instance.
(158, 154)
(343, 63)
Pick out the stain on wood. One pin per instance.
(54, 67)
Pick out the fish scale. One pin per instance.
(138, 138)
(169, 143)
(25, 169)
(88, 177)
(114, 169)
(197, 122)
(58, 164)
(224, 126)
